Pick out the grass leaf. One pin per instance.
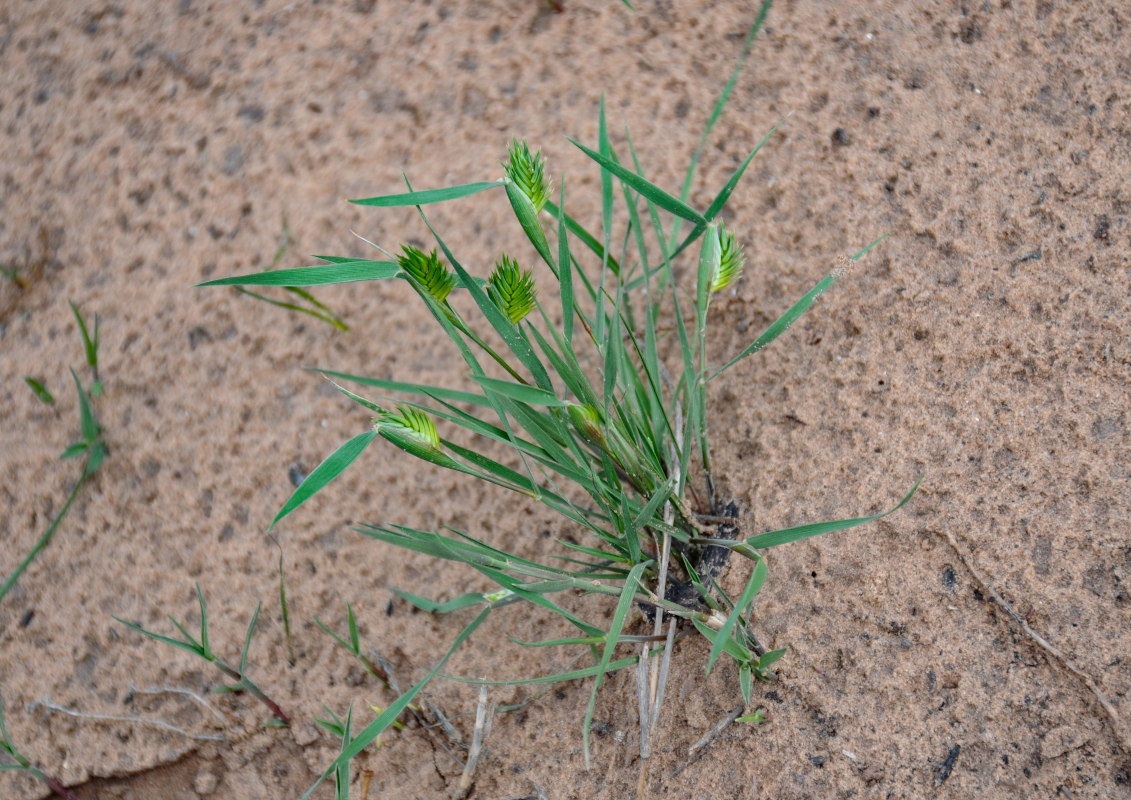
(787, 535)
(334, 465)
(341, 272)
(645, 187)
(427, 196)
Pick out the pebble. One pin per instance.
(204, 782)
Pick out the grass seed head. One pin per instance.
(512, 289)
(731, 261)
(427, 270)
(528, 171)
(413, 431)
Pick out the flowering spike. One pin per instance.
(511, 289)
(427, 270)
(528, 172)
(731, 261)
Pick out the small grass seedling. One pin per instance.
(597, 388)
(313, 306)
(351, 643)
(90, 444)
(20, 763)
(203, 649)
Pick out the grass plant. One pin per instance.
(89, 445)
(202, 648)
(590, 368)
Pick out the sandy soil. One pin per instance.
(149, 146)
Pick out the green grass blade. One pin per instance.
(204, 646)
(334, 465)
(90, 345)
(427, 196)
(565, 268)
(89, 427)
(342, 272)
(342, 773)
(351, 624)
(728, 188)
(528, 218)
(783, 322)
(10, 581)
(775, 538)
(628, 594)
(407, 388)
(40, 390)
(646, 188)
(431, 606)
(329, 317)
(579, 230)
(530, 395)
(247, 639)
(536, 598)
(390, 714)
(188, 647)
(720, 104)
(770, 657)
(753, 586)
(606, 151)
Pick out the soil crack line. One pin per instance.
(1121, 735)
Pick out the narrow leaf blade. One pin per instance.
(334, 465)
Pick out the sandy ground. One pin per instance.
(145, 147)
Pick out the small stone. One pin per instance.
(305, 735)
(204, 782)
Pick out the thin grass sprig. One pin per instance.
(202, 648)
(90, 445)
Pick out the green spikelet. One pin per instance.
(731, 262)
(511, 289)
(436, 279)
(414, 432)
(528, 172)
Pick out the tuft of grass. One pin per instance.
(202, 648)
(610, 405)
